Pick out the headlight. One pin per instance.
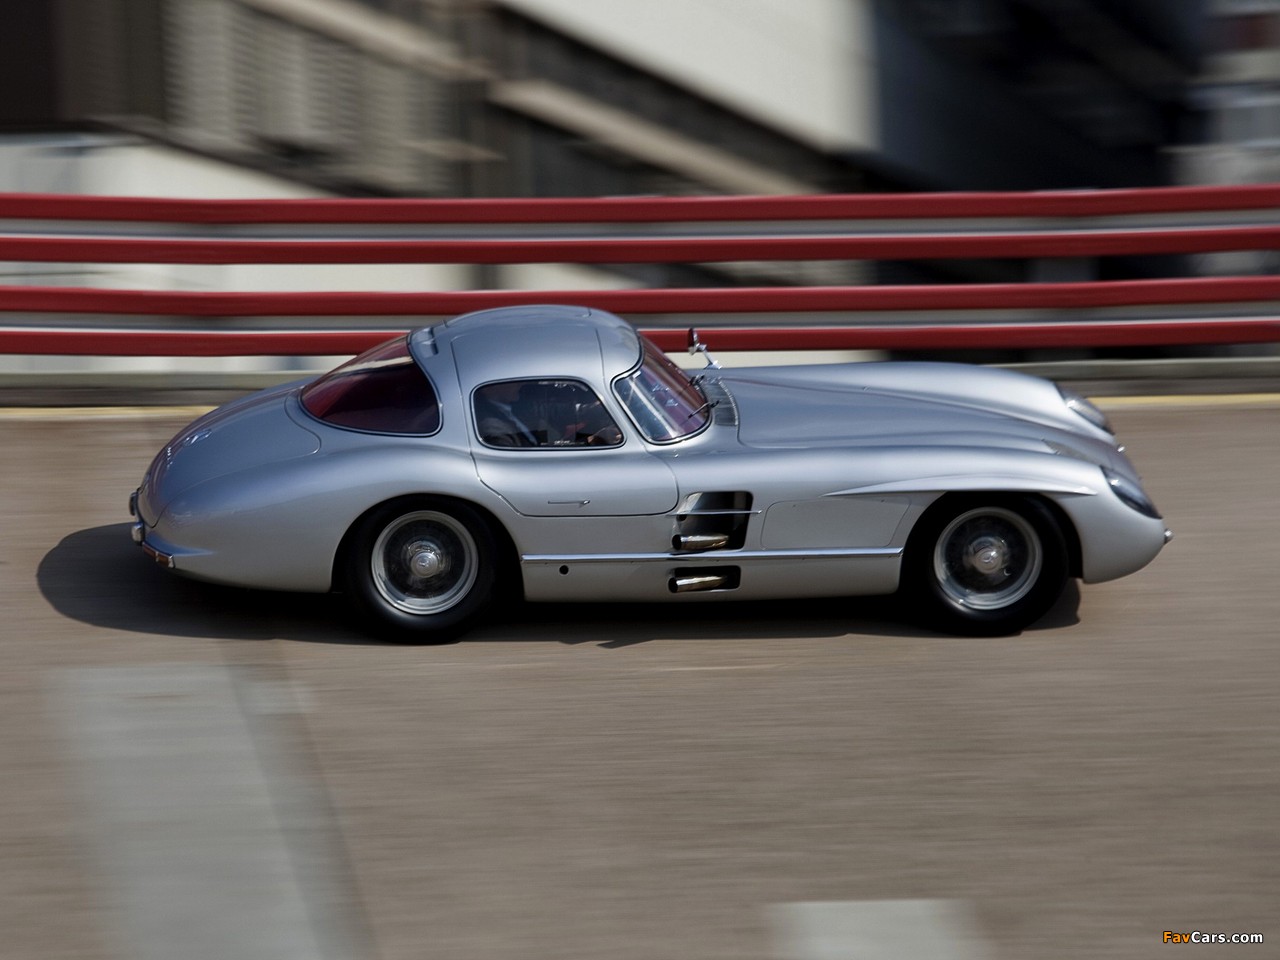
(1084, 407)
(1130, 494)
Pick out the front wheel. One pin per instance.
(985, 566)
(420, 570)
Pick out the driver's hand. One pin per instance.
(605, 437)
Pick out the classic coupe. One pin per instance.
(555, 454)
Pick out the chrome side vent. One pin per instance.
(712, 520)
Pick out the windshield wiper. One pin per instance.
(708, 405)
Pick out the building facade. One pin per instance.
(561, 97)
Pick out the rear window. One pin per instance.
(382, 390)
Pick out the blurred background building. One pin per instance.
(608, 97)
(1237, 96)
(1237, 101)
(563, 97)
(456, 98)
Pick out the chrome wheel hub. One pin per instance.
(988, 555)
(425, 560)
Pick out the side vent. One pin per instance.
(715, 520)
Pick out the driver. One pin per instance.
(591, 426)
(498, 421)
(515, 413)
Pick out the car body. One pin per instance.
(393, 479)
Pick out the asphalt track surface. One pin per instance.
(192, 771)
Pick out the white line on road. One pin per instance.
(877, 930)
(190, 810)
(721, 666)
(1191, 400)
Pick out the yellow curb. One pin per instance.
(1191, 400)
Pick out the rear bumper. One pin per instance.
(138, 531)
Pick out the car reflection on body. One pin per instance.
(553, 453)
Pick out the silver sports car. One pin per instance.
(552, 453)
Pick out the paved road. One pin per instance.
(245, 772)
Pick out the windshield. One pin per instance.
(661, 399)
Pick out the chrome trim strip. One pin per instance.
(966, 483)
(729, 556)
(715, 513)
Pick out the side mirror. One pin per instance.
(696, 347)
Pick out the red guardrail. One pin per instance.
(933, 206)
(152, 343)
(862, 227)
(948, 297)
(1097, 243)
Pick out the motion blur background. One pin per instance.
(559, 98)
(550, 98)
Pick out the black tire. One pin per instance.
(983, 565)
(420, 569)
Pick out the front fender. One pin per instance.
(1115, 540)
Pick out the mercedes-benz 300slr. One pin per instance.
(553, 453)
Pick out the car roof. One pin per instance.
(538, 341)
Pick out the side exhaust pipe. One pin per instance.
(696, 579)
(700, 541)
(705, 581)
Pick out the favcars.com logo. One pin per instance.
(1197, 937)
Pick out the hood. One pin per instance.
(915, 404)
(249, 432)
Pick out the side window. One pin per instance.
(383, 391)
(543, 413)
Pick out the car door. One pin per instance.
(551, 448)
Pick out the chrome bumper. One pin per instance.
(138, 531)
(163, 559)
(139, 534)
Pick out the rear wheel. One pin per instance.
(420, 570)
(985, 566)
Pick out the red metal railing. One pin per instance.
(1086, 224)
(1070, 204)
